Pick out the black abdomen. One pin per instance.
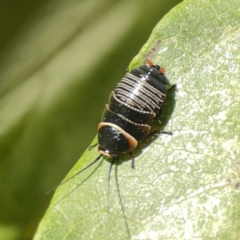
(131, 108)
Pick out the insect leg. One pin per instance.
(133, 160)
(156, 133)
(173, 86)
(92, 146)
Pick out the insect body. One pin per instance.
(132, 107)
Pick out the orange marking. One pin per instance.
(162, 70)
(150, 63)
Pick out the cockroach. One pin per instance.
(127, 117)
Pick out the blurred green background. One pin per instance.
(59, 61)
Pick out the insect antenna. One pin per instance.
(109, 178)
(82, 170)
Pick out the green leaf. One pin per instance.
(185, 186)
